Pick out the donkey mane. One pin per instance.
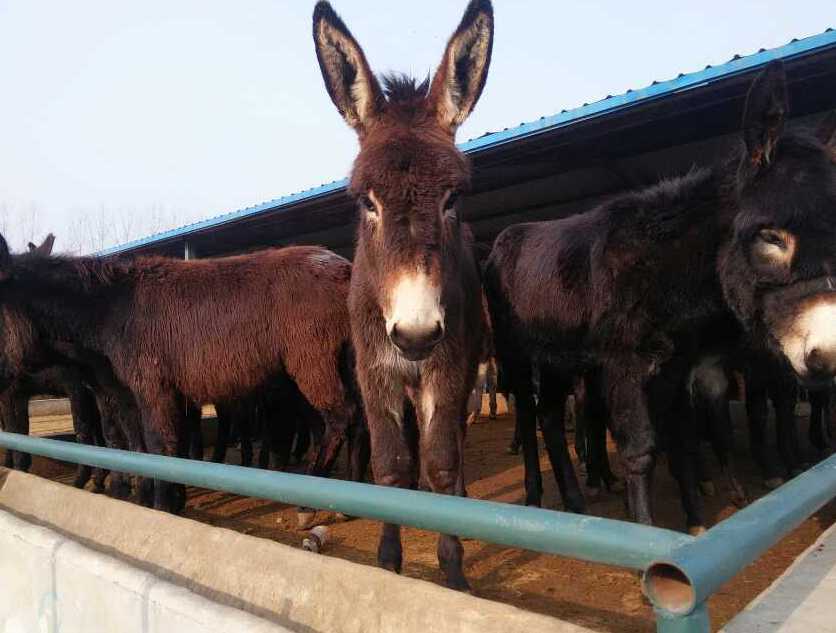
(402, 88)
(86, 272)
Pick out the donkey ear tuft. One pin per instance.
(348, 77)
(460, 78)
(826, 131)
(766, 110)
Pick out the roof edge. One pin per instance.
(686, 81)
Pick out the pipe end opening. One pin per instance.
(669, 588)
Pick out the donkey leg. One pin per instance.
(633, 432)
(118, 420)
(519, 378)
(7, 422)
(393, 461)
(20, 424)
(721, 436)
(554, 391)
(246, 424)
(336, 427)
(359, 449)
(164, 425)
(685, 464)
(99, 474)
(82, 411)
(280, 439)
(757, 418)
(303, 439)
(819, 404)
(193, 421)
(222, 415)
(441, 441)
(783, 394)
(591, 433)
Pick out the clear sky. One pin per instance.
(121, 118)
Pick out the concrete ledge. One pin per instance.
(801, 600)
(51, 584)
(295, 589)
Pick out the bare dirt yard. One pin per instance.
(600, 597)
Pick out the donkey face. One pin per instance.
(408, 175)
(780, 267)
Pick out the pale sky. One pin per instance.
(146, 115)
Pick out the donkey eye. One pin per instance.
(451, 201)
(367, 205)
(773, 238)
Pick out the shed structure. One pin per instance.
(548, 168)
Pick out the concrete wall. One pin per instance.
(801, 600)
(50, 583)
(286, 586)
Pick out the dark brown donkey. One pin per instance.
(616, 287)
(415, 304)
(202, 331)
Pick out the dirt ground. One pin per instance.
(599, 597)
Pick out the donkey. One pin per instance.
(613, 288)
(415, 300)
(198, 331)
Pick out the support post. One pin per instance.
(695, 622)
(189, 251)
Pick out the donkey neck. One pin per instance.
(69, 300)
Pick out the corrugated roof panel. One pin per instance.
(657, 89)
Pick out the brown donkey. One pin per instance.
(415, 304)
(207, 330)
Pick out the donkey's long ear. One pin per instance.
(348, 77)
(46, 246)
(459, 80)
(766, 110)
(5, 259)
(827, 130)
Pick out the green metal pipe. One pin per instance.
(584, 537)
(696, 569)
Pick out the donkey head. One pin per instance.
(408, 175)
(779, 270)
(20, 351)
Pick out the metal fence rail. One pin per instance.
(680, 572)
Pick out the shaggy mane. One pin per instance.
(401, 88)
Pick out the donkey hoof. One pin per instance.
(772, 483)
(707, 488)
(614, 485)
(739, 498)
(459, 583)
(575, 505)
(697, 530)
(305, 519)
(390, 565)
(592, 493)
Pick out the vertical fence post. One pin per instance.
(189, 251)
(695, 622)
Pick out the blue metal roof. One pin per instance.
(686, 81)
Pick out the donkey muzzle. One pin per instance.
(416, 342)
